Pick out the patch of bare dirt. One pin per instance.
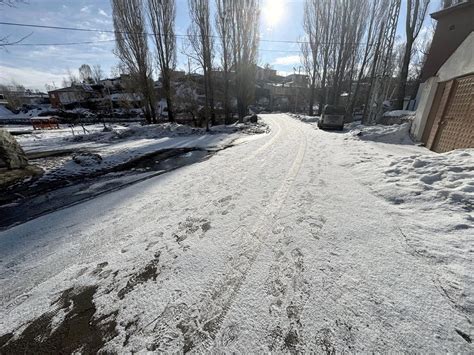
(79, 331)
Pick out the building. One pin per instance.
(75, 94)
(297, 80)
(115, 84)
(445, 114)
(265, 74)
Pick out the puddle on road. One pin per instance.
(57, 194)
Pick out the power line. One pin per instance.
(113, 40)
(79, 29)
(59, 44)
(152, 34)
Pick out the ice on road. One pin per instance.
(276, 244)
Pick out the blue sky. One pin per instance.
(34, 66)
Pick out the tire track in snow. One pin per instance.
(185, 328)
(245, 160)
(267, 144)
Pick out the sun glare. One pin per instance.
(272, 12)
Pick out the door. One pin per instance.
(453, 126)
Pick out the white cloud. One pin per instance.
(29, 77)
(288, 60)
(284, 72)
(103, 36)
(103, 13)
(85, 9)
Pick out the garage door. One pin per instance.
(453, 126)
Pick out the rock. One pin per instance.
(11, 152)
(87, 159)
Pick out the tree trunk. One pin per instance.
(311, 98)
(226, 97)
(169, 101)
(402, 83)
(322, 100)
(211, 99)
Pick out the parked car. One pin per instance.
(332, 117)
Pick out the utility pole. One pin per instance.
(296, 86)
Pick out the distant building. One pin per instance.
(23, 97)
(265, 74)
(76, 94)
(297, 80)
(115, 84)
(445, 114)
(178, 74)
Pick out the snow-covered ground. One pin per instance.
(4, 112)
(297, 240)
(119, 144)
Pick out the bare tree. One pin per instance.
(70, 80)
(50, 87)
(245, 22)
(132, 49)
(346, 42)
(449, 3)
(85, 73)
(5, 39)
(201, 42)
(13, 94)
(162, 14)
(382, 66)
(415, 16)
(187, 98)
(357, 32)
(224, 27)
(375, 12)
(310, 48)
(347, 24)
(97, 73)
(327, 31)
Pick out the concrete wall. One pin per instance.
(459, 64)
(426, 92)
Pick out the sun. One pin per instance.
(272, 12)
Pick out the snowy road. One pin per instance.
(272, 245)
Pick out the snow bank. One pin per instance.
(118, 132)
(304, 118)
(395, 134)
(399, 113)
(438, 189)
(442, 181)
(118, 144)
(396, 117)
(433, 196)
